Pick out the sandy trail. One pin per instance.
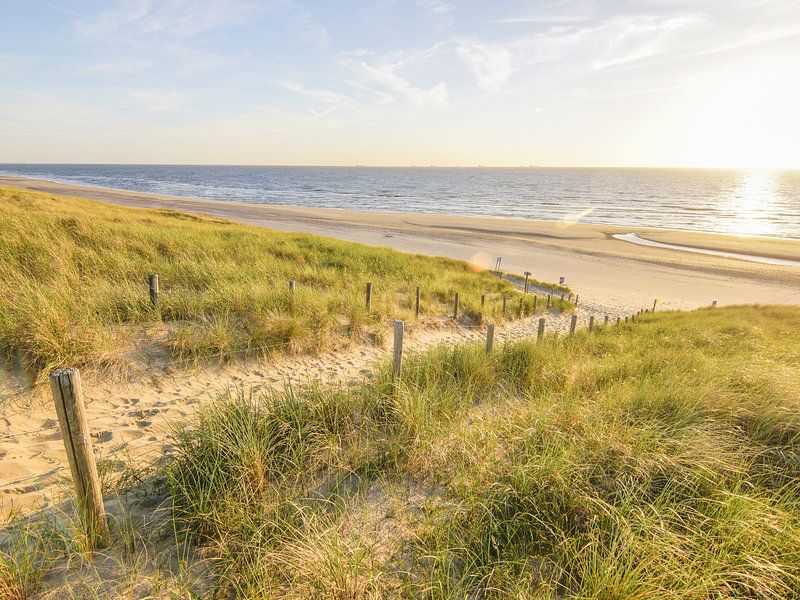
(132, 419)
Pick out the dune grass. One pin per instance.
(657, 459)
(654, 460)
(75, 292)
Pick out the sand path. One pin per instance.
(131, 419)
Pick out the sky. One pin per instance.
(703, 83)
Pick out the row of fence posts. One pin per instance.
(65, 386)
(154, 297)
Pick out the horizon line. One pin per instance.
(408, 166)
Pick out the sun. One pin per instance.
(746, 119)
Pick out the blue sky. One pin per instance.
(702, 83)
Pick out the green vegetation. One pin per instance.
(75, 292)
(659, 459)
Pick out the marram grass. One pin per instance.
(659, 459)
(653, 460)
(74, 285)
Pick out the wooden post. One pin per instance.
(572, 322)
(527, 274)
(626, 319)
(605, 321)
(455, 307)
(65, 385)
(504, 306)
(714, 303)
(291, 286)
(576, 299)
(549, 300)
(534, 302)
(154, 289)
(489, 338)
(416, 303)
(540, 332)
(397, 357)
(497, 264)
(483, 300)
(591, 322)
(618, 319)
(369, 296)
(654, 304)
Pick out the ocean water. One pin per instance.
(743, 202)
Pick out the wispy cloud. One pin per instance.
(386, 75)
(491, 65)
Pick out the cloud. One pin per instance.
(386, 75)
(491, 65)
(437, 6)
(178, 19)
(324, 96)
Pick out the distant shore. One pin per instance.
(609, 270)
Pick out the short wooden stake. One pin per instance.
(416, 302)
(654, 304)
(549, 300)
(369, 296)
(483, 300)
(576, 299)
(540, 331)
(65, 386)
(591, 322)
(153, 289)
(455, 307)
(527, 274)
(489, 338)
(397, 356)
(714, 303)
(291, 286)
(605, 321)
(534, 302)
(572, 322)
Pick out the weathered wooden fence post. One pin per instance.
(483, 300)
(572, 322)
(455, 307)
(549, 300)
(369, 296)
(397, 356)
(489, 338)
(416, 302)
(527, 274)
(65, 385)
(540, 331)
(291, 286)
(153, 289)
(591, 322)
(714, 303)
(655, 302)
(605, 320)
(534, 302)
(576, 299)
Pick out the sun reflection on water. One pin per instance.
(750, 207)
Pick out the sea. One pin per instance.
(765, 203)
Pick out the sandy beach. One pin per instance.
(613, 277)
(611, 272)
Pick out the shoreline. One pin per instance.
(595, 264)
(655, 230)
